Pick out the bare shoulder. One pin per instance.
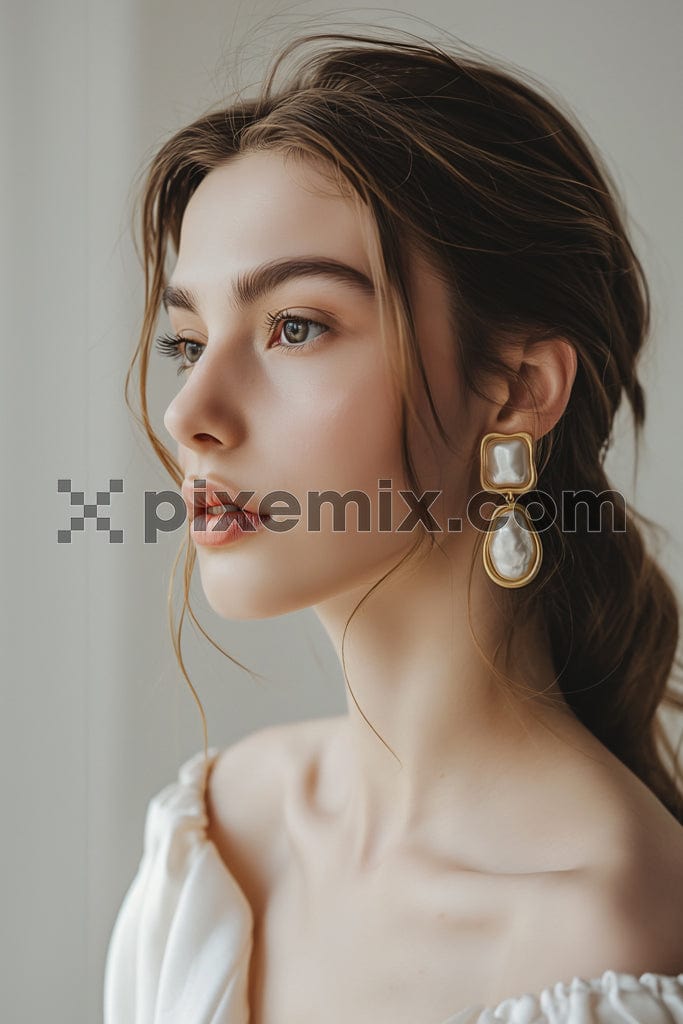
(244, 798)
(255, 763)
(622, 908)
(643, 887)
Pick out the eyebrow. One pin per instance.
(251, 285)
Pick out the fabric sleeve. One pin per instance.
(181, 942)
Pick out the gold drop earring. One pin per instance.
(512, 551)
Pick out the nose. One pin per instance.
(204, 414)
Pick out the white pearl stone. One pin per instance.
(512, 548)
(507, 462)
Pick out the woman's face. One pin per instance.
(321, 414)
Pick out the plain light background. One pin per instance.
(95, 714)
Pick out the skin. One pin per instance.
(477, 764)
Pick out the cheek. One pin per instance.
(348, 432)
(341, 433)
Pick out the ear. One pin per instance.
(545, 374)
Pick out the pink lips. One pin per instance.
(220, 528)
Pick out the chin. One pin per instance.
(251, 594)
(241, 603)
(249, 590)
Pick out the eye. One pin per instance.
(297, 327)
(296, 339)
(180, 348)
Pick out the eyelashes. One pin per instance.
(180, 348)
(272, 322)
(170, 345)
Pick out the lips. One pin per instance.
(210, 494)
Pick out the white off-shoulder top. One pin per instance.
(180, 947)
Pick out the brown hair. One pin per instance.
(500, 189)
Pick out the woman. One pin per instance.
(491, 825)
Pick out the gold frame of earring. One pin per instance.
(509, 489)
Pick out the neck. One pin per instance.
(463, 740)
